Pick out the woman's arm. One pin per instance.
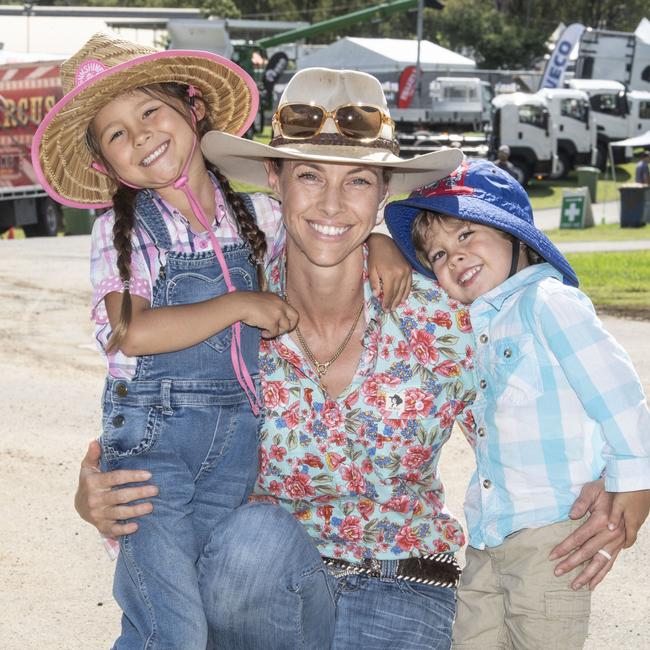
(585, 542)
(104, 507)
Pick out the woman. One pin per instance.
(360, 553)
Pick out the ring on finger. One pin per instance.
(605, 554)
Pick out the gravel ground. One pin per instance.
(52, 565)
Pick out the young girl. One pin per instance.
(176, 303)
(558, 403)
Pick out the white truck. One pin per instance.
(460, 102)
(454, 103)
(619, 114)
(549, 132)
(523, 122)
(575, 125)
(617, 56)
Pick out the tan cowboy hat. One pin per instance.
(329, 90)
(107, 66)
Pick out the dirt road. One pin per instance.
(55, 578)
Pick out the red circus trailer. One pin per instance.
(27, 92)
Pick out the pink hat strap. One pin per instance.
(238, 363)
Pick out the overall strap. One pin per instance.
(149, 216)
(248, 202)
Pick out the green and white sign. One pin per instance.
(576, 209)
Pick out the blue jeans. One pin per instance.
(265, 586)
(203, 459)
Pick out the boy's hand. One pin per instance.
(583, 544)
(630, 509)
(268, 312)
(388, 271)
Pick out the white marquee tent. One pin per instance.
(642, 140)
(379, 55)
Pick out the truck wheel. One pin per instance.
(564, 165)
(521, 171)
(50, 219)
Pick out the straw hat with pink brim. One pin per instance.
(107, 66)
(329, 116)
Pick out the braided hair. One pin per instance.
(124, 200)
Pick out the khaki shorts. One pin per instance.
(509, 598)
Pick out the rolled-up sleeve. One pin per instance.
(605, 381)
(104, 273)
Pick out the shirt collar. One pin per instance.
(219, 201)
(530, 275)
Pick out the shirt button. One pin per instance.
(481, 431)
(487, 483)
(118, 421)
(203, 243)
(483, 338)
(483, 383)
(507, 353)
(121, 390)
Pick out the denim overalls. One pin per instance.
(185, 418)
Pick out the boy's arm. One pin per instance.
(388, 271)
(603, 378)
(630, 509)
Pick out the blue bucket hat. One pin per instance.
(480, 192)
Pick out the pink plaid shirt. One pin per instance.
(146, 259)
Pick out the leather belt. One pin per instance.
(439, 569)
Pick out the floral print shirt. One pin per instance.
(361, 471)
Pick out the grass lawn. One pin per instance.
(547, 193)
(602, 232)
(617, 283)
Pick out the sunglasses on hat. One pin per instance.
(303, 121)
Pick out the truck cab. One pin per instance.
(576, 128)
(619, 114)
(523, 122)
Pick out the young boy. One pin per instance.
(558, 404)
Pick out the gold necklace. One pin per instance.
(322, 367)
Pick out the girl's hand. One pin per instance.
(268, 312)
(104, 507)
(388, 271)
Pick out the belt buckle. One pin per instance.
(372, 566)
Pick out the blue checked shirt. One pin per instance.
(558, 400)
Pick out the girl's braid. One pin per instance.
(124, 208)
(246, 224)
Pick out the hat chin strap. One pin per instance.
(515, 258)
(182, 184)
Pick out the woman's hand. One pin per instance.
(584, 544)
(268, 312)
(388, 271)
(104, 507)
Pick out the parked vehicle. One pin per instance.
(618, 56)
(619, 114)
(27, 92)
(523, 122)
(460, 102)
(570, 112)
